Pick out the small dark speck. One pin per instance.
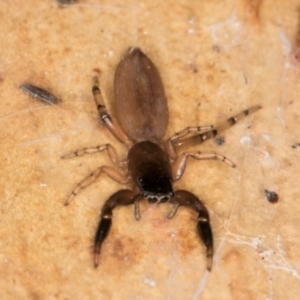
(216, 48)
(245, 78)
(295, 145)
(39, 93)
(220, 140)
(66, 2)
(272, 197)
(97, 70)
(194, 68)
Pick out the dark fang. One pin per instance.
(231, 121)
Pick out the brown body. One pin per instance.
(140, 100)
(153, 164)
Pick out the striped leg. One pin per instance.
(109, 171)
(180, 164)
(105, 118)
(178, 140)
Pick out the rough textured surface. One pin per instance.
(216, 58)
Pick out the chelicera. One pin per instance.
(152, 163)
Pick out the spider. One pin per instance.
(152, 163)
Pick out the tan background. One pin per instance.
(216, 58)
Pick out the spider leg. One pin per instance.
(109, 171)
(178, 141)
(187, 199)
(122, 197)
(181, 134)
(181, 162)
(112, 153)
(105, 118)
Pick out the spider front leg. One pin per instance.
(185, 198)
(178, 141)
(122, 197)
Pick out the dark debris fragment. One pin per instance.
(66, 2)
(220, 140)
(39, 93)
(272, 197)
(294, 146)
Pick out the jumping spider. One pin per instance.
(152, 163)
